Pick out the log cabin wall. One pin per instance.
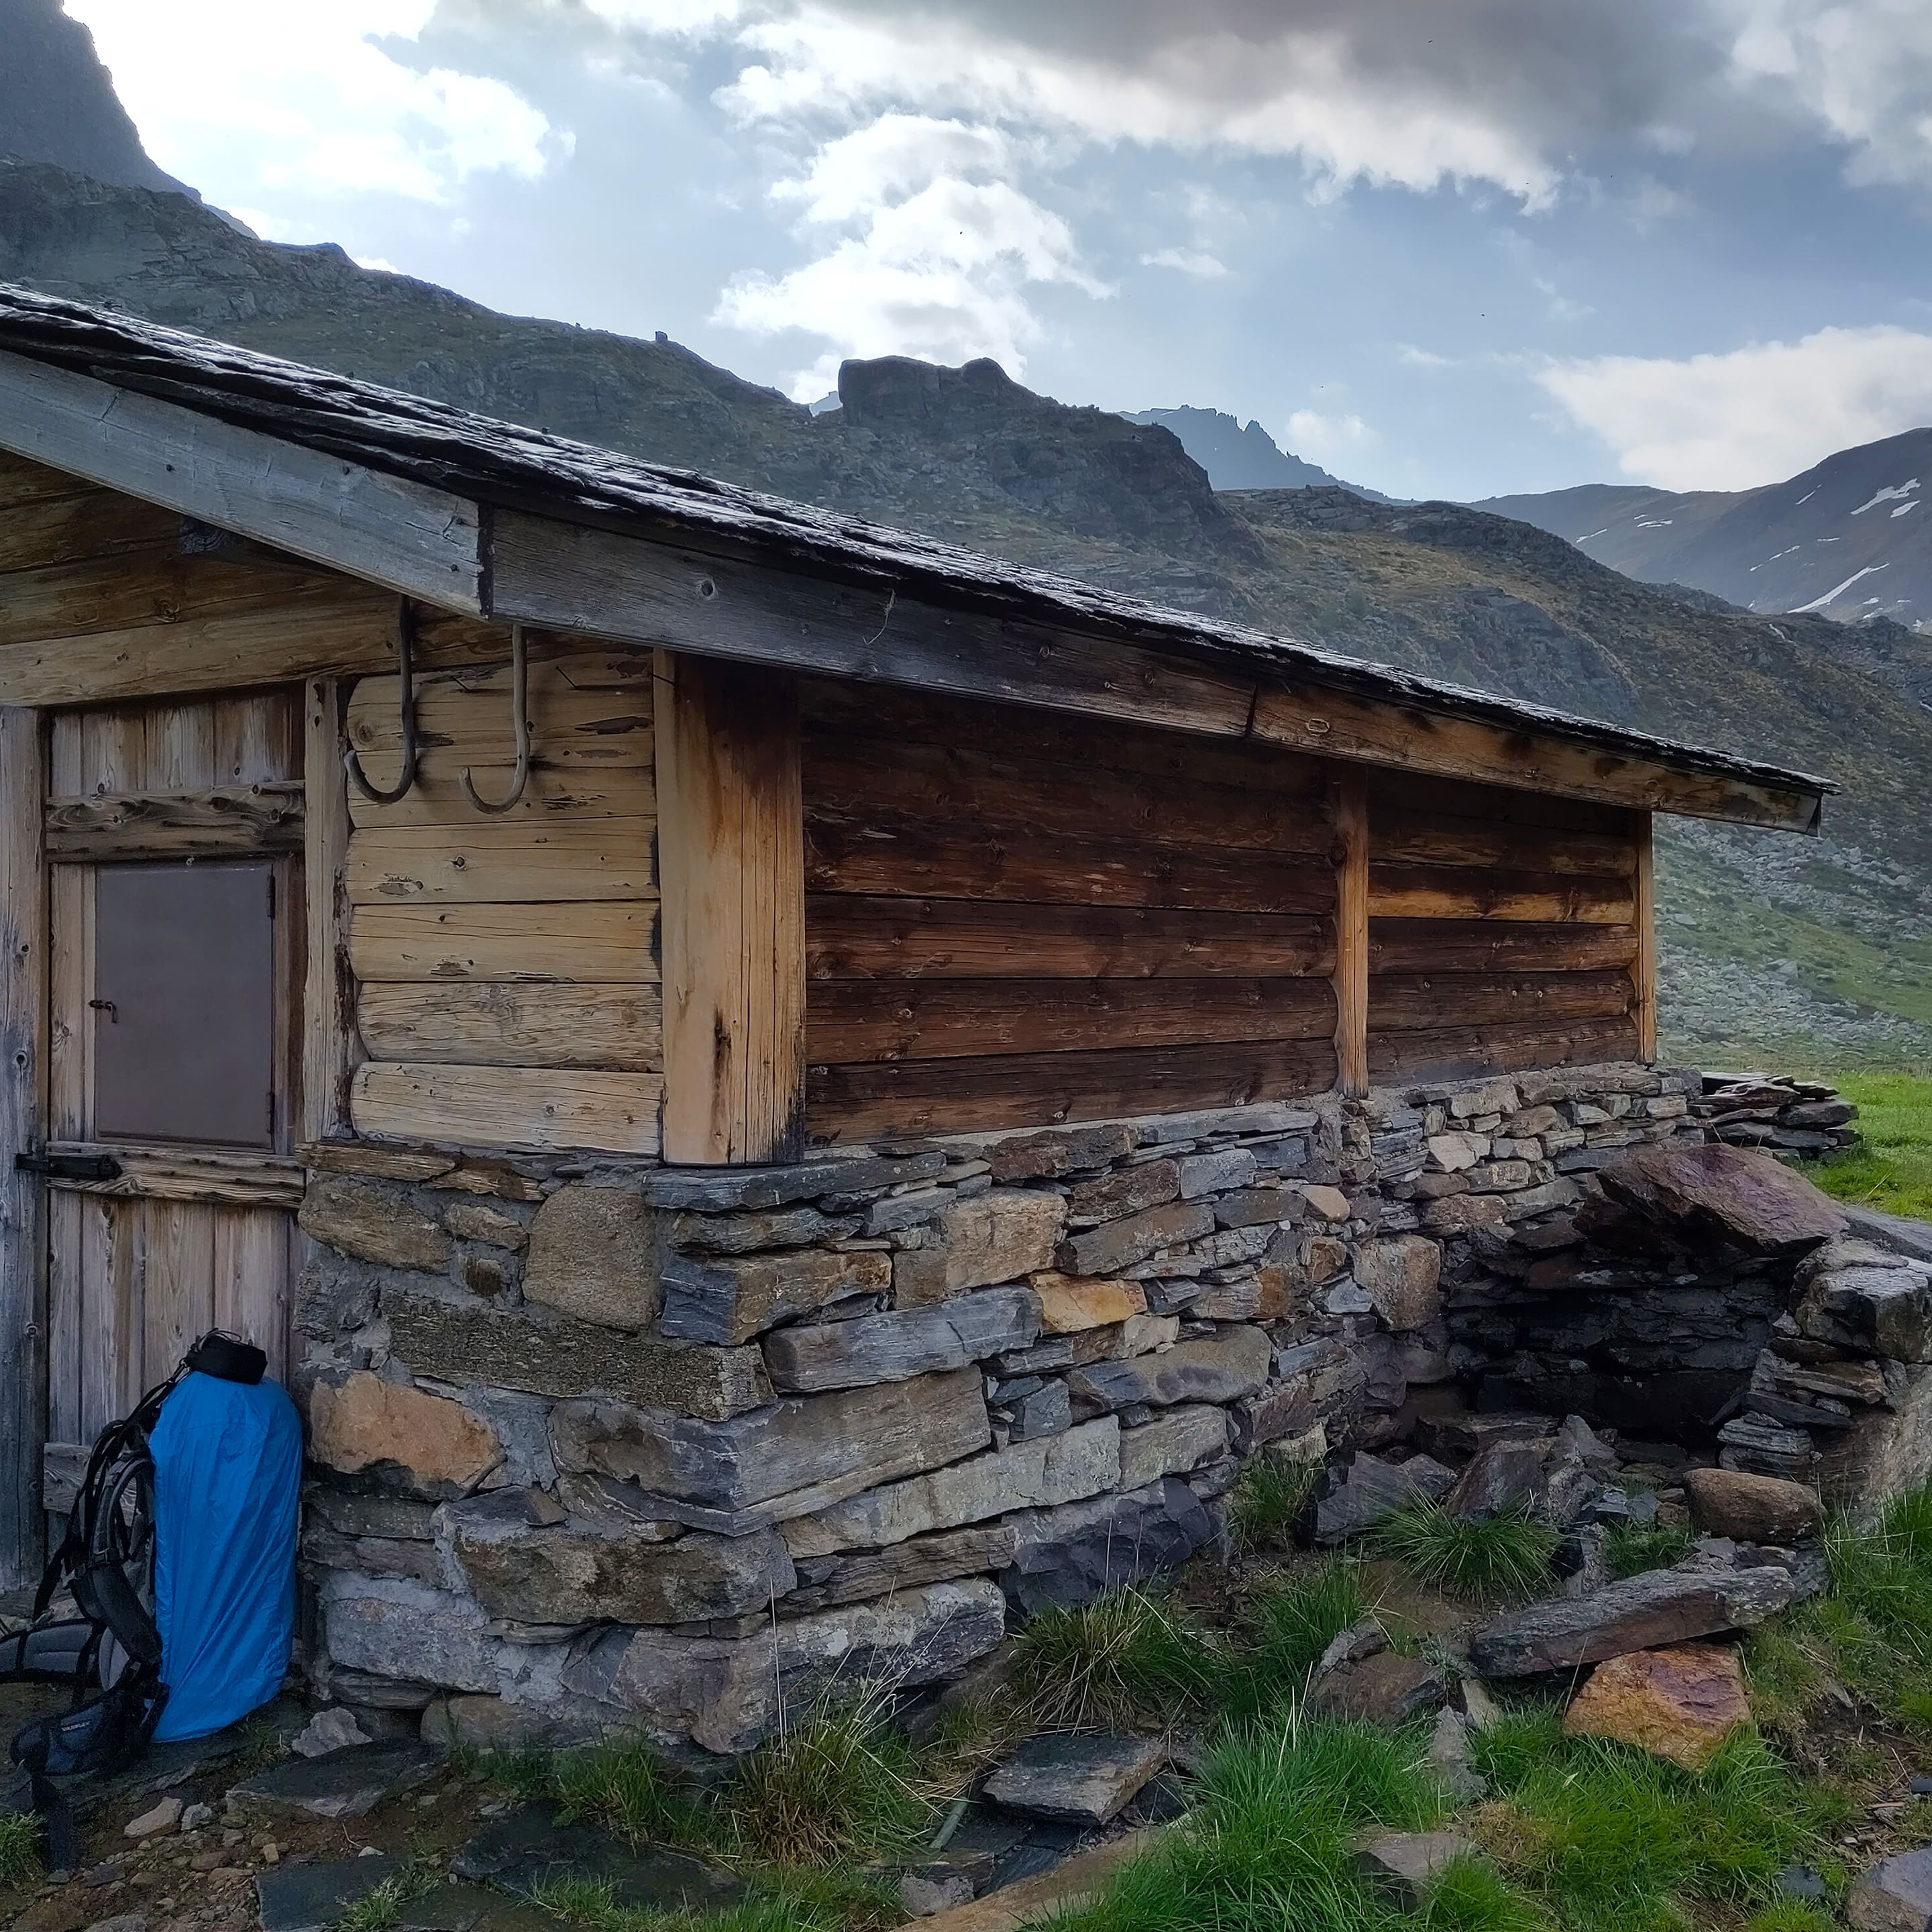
(1504, 930)
(507, 983)
(1015, 919)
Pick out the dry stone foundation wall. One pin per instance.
(597, 1446)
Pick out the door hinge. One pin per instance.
(69, 1166)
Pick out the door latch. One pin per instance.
(69, 1166)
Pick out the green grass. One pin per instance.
(1470, 1895)
(1127, 1658)
(379, 1909)
(1284, 1629)
(1629, 1551)
(781, 1902)
(1611, 1840)
(1892, 1168)
(1507, 1556)
(19, 1849)
(1266, 1500)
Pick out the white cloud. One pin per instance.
(243, 98)
(1733, 421)
(1195, 262)
(1862, 71)
(1329, 439)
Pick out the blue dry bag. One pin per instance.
(227, 1481)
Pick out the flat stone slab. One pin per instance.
(1088, 1778)
(527, 1848)
(306, 1898)
(1894, 1896)
(344, 1783)
(1645, 1613)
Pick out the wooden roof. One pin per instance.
(496, 520)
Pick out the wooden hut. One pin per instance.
(698, 840)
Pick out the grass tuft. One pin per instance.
(1284, 1630)
(1472, 1895)
(1507, 1556)
(380, 1909)
(19, 1848)
(1127, 1658)
(1629, 1551)
(1265, 1502)
(621, 1785)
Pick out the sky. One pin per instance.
(1446, 248)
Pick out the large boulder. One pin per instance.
(1695, 1194)
(1752, 1509)
(1680, 1703)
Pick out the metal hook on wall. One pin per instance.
(406, 633)
(519, 712)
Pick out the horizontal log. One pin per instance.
(1496, 945)
(466, 716)
(890, 938)
(1450, 1052)
(872, 855)
(854, 778)
(526, 1109)
(227, 819)
(172, 1174)
(849, 1021)
(477, 1023)
(591, 942)
(1396, 837)
(1422, 1002)
(23, 481)
(688, 597)
(1392, 792)
(64, 528)
(156, 585)
(488, 861)
(836, 710)
(351, 629)
(1445, 892)
(552, 792)
(949, 1097)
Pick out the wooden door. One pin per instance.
(150, 807)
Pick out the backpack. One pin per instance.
(110, 1655)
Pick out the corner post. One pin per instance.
(731, 872)
(23, 1076)
(1643, 967)
(1349, 798)
(330, 1048)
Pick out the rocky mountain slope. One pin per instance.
(1844, 539)
(1822, 948)
(1238, 456)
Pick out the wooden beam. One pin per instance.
(222, 820)
(539, 1110)
(420, 541)
(330, 1050)
(597, 583)
(1643, 968)
(176, 1173)
(731, 860)
(1350, 807)
(23, 1075)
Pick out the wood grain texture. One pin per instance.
(1415, 838)
(730, 843)
(1449, 892)
(1353, 842)
(419, 541)
(70, 896)
(490, 861)
(559, 792)
(236, 821)
(1397, 790)
(861, 778)
(1420, 1002)
(1643, 967)
(23, 1105)
(330, 1049)
(855, 1020)
(23, 481)
(78, 522)
(525, 1108)
(877, 855)
(1496, 945)
(891, 938)
(151, 1171)
(613, 943)
(478, 1024)
(1451, 1052)
(946, 1096)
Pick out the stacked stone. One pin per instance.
(604, 1446)
(1794, 1119)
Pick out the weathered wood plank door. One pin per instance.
(173, 838)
